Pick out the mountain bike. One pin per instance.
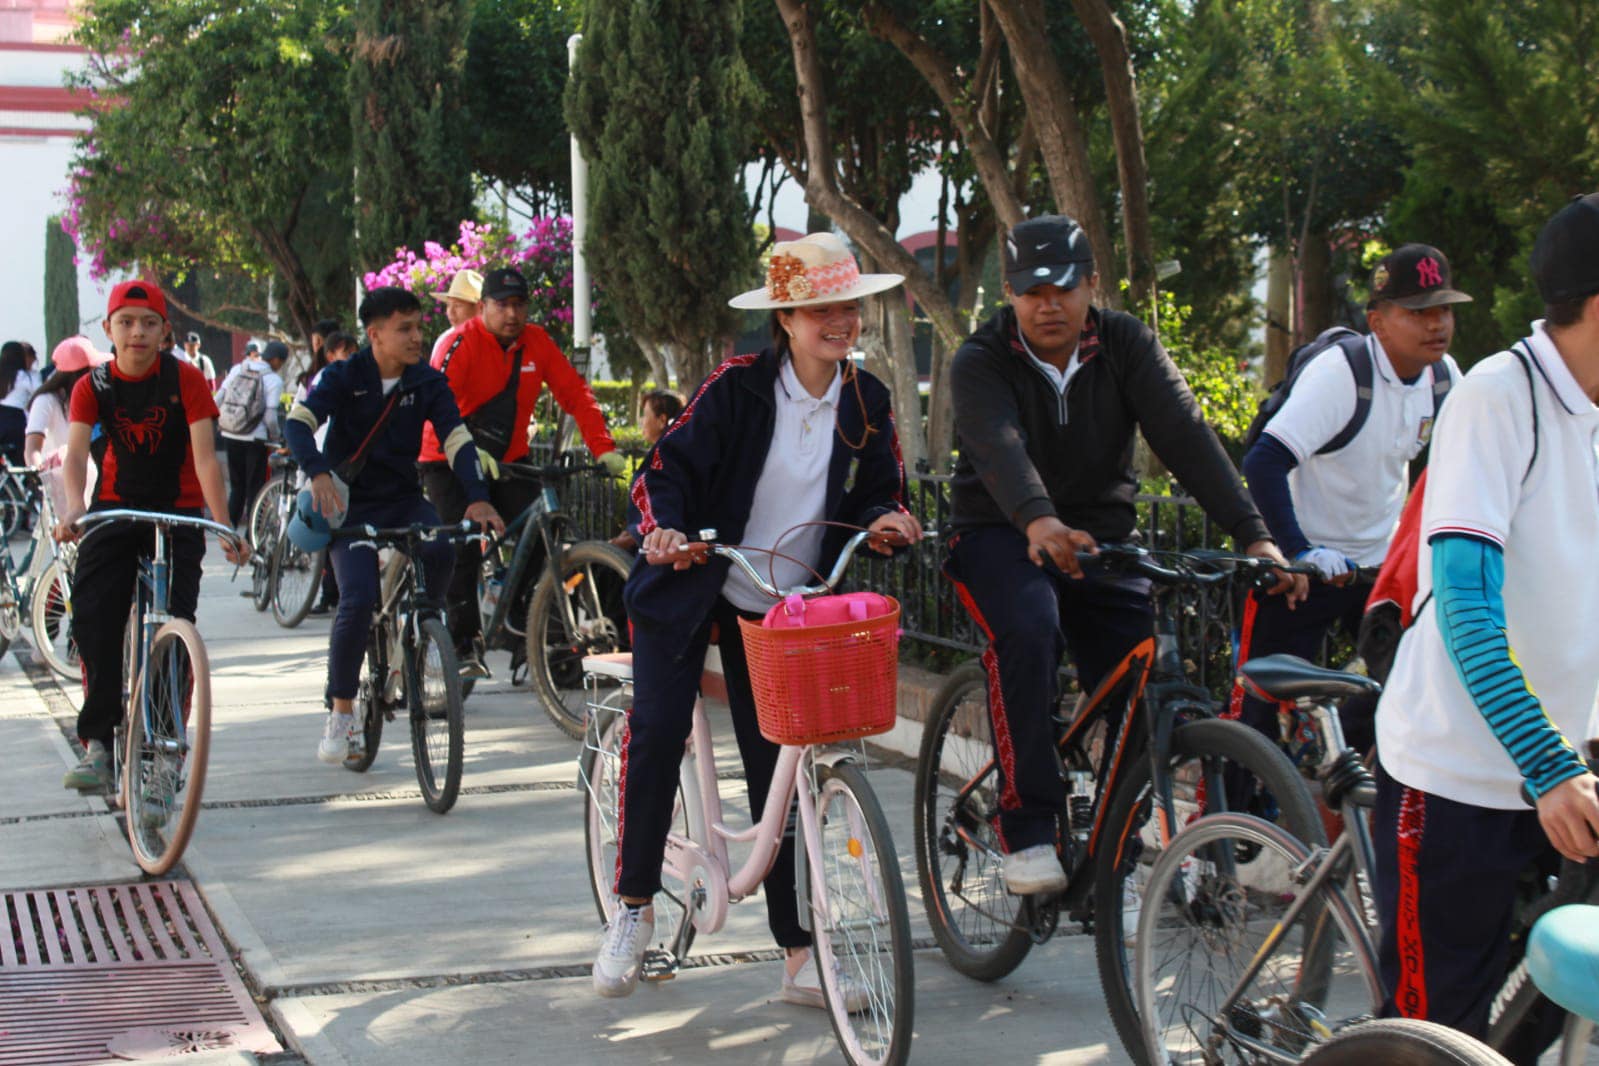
(550, 601)
(164, 740)
(847, 872)
(410, 666)
(1141, 755)
(37, 588)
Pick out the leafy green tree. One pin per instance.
(60, 284)
(661, 107)
(412, 180)
(216, 142)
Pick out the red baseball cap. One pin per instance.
(136, 294)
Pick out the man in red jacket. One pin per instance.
(498, 364)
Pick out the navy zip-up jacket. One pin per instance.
(702, 474)
(353, 391)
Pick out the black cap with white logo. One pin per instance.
(1049, 250)
(503, 284)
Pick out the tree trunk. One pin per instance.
(1279, 315)
(660, 371)
(693, 360)
(1121, 95)
(1317, 296)
(903, 381)
(1061, 138)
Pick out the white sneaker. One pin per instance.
(1132, 905)
(1034, 870)
(621, 957)
(805, 988)
(335, 744)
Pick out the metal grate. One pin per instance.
(132, 971)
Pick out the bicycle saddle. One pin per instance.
(1288, 677)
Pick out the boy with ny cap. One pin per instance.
(1494, 684)
(1049, 394)
(1332, 498)
(497, 364)
(156, 415)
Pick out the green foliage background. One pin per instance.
(60, 285)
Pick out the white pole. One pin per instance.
(582, 324)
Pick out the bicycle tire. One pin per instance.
(592, 579)
(1224, 883)
(1228, 742)
(161, 796)
(296, 578)
(865, 882)
(263, 520)
(261, 578)
(368, 707)
(10, 612)
(13, 506)
(51, 612)
(438, 725)
(1404, 1042)
(977, 931)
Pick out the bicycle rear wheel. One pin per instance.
(168, 743)
(860, 923)
(296, 577)
(958, 856)
(370, 701)
(1404, 1042)
(10, 610)
(438, 727)
(1204, 755)
(1217, 891)
(265, 512)
(590, 588)
(52, 621)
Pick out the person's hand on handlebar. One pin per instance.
(894, 522)
(1051, 540)
(66, 529)
(662, 545)
(1569, 814)
(236, 550)
(1294, 586)
(483, 513)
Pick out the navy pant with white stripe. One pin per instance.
(1031, 617)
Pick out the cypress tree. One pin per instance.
(60, 285)
(413, 181)
(660, 102)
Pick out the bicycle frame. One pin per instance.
(537, 524)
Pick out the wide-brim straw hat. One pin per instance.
(816, 269)
(466, 285)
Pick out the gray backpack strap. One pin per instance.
(1358, 354)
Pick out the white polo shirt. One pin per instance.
(1430, 734)
(792, 489)
(1349, 500)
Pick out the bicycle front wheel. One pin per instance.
(860, 923)
(52, 621)
(438, 726)
(1206, 755)
(958, 856)
(296, 577)
(1404, 1042)
(168, 742)
(1218, 891)
(370, 700)
(264, 528)
(576, 613)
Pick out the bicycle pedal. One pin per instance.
(1045, 918)
(658, 965)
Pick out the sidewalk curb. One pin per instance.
(303, 1033)
(254, 955)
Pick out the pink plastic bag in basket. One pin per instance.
(796, 612)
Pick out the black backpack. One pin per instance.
(1358, 356)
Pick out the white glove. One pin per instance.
(1331, 564)
(614, 462)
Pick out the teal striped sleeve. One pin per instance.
(1468, 576)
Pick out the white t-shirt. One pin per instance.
(792, 489)
(22, 390)
(1349, 500)
(1430, 734)
(271, 390)
(48, 417)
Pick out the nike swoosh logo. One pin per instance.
(360, 392)
(1040, 247)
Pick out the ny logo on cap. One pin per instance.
(1428, 274)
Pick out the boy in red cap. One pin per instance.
(142, 401)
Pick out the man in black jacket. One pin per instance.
(1048, 395)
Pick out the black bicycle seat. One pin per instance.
(1288, 677)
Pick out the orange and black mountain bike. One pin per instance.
(1142, 755)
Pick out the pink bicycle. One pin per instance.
(814, 687)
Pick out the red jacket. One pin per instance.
(477, 371)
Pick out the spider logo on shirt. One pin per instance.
(141, 433)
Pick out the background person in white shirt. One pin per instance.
(1337, 509)
(247, 451)
(1495, 682)
(460, 302)
(17, 382)
(45, 445)
(199, 360)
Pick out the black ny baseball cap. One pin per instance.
(1048, 250)
(1565, 257)
(1414, 276)
(504, 283)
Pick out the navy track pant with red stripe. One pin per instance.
(1031, 617)
(1446, 882)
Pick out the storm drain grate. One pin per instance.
(129, 971)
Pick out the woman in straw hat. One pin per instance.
(767, 443)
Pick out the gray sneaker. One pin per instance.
(93, 772)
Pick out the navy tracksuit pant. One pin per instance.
(1031, 617)
(1446, 882)
(1270, 628)
(658, 724)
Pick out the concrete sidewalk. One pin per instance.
(375, 931)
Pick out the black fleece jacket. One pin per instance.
(1027, 452)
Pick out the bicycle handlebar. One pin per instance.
(465, 529)
(1203, 567)
(706, 546)
(155, 518)
(550, 471)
